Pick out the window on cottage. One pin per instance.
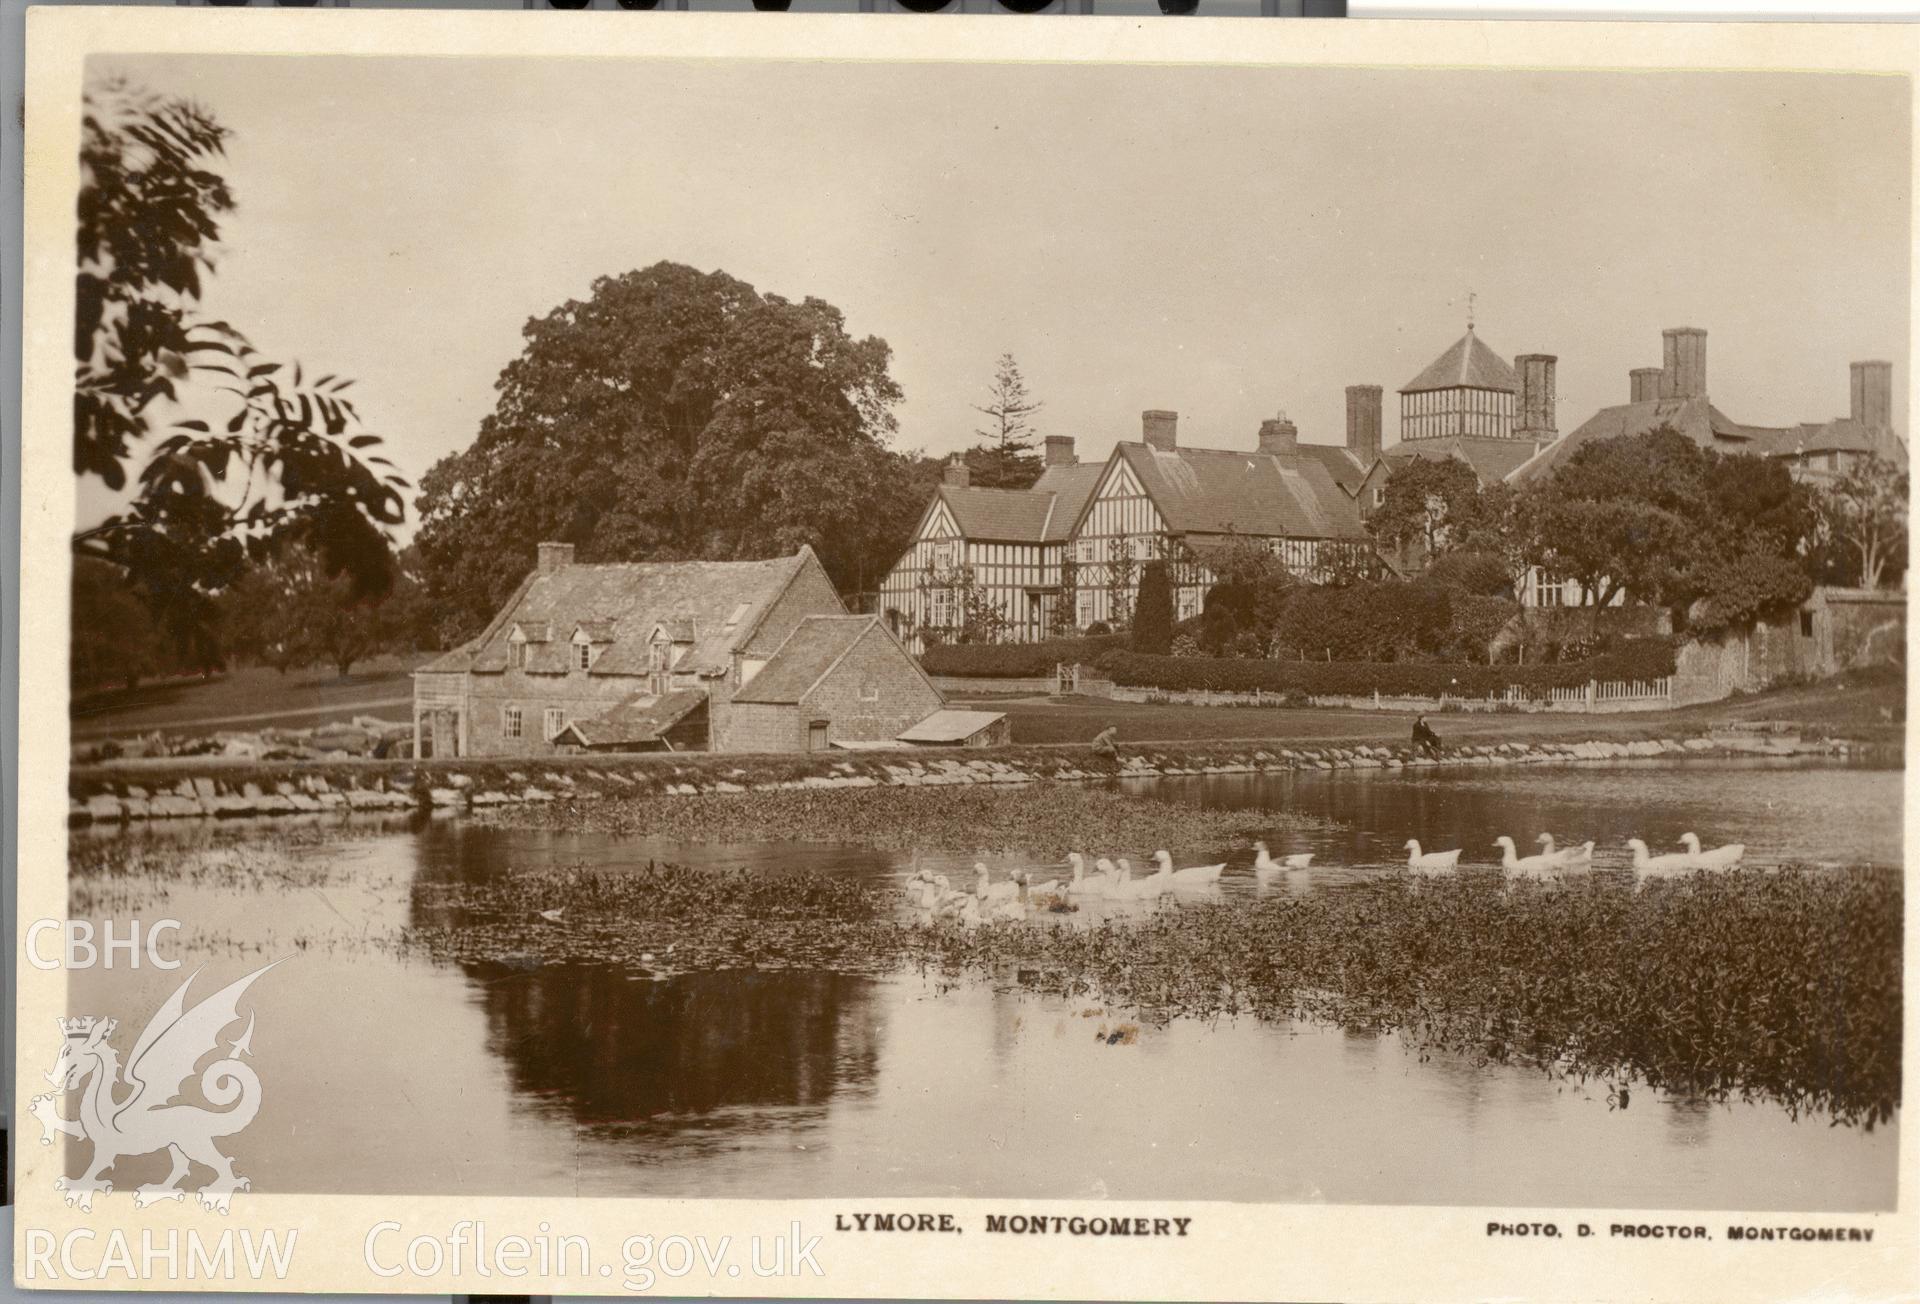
(510, 721)
(582, 655)
(517, 655)
(1084, 614)
(941, 606)
(1189, 604)
(1142, 548)
(554, 722)
(943, 556)
(1379, 495)
(1086, 550)
(1806, 624)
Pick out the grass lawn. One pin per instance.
(252, 698)
(1872, 709)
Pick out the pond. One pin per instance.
(387, 1072)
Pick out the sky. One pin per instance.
(1228, 243)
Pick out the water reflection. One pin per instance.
(572, 1078)
(619, 1049)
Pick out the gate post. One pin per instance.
(1592, 689)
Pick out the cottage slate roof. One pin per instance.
(998, 515)
(597, 631)
(1341, 464)
(1467, 363)
(534, 631)
(642, 718)
(629, 599)
(1071, 485)
(1695, 418)
(1216, 491)
(950, 725)
(1490, 457)
(803, 660)
(1844, 435)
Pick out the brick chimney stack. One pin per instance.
(1872, 386)
(1279, 435)
(1685, 372)
(1645, 382)
(1535, 418)
(958, 473)
(1363, 422)
(553, 557)
(1060, 451)
(1158, 429)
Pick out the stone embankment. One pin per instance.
(112, 794)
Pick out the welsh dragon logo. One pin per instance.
(137, 1114)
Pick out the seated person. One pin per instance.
(1424, 738)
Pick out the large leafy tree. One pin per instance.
(287, 613)
(1623, 515)
(1429, 504)
(1004, 457)
(256, 455)
(673, 414)
(1718, 539)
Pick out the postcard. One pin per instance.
(845, 656)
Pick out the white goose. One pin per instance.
(1514, 865)
(1719, 858)
(962, 908)
(1012, 909)
(1199, 876)
(1580, 857)
(1265, 866)
(1647, 866)
(1431, 862)
(1083, 883)
(987, 890)
(922, 890)
(1128, 888)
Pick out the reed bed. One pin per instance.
(1781, 985)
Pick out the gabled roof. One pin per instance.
(533, 631)
(642, 718)
(998, 515)
(1844, 435)
(597, 631)
(1695, 418)
(1214, 491)
(1469, 364)
(1341, 464)
(1071, 484)
(803, 660)
(629, 599)
(1491, 458)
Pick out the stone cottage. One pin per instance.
(835, 680)
(651, 656)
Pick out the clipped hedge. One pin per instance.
(1016, 660)
(1635, 660)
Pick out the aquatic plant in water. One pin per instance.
(1783, 985)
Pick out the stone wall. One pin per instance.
(765, 727)
(1837, 629)
(209, 789)
(874, 694)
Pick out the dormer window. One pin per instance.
(516, 651)
(582, 655)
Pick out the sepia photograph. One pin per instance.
(990, 630)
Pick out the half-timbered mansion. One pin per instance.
(1067, 554)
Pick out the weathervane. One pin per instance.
(1470, 298)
